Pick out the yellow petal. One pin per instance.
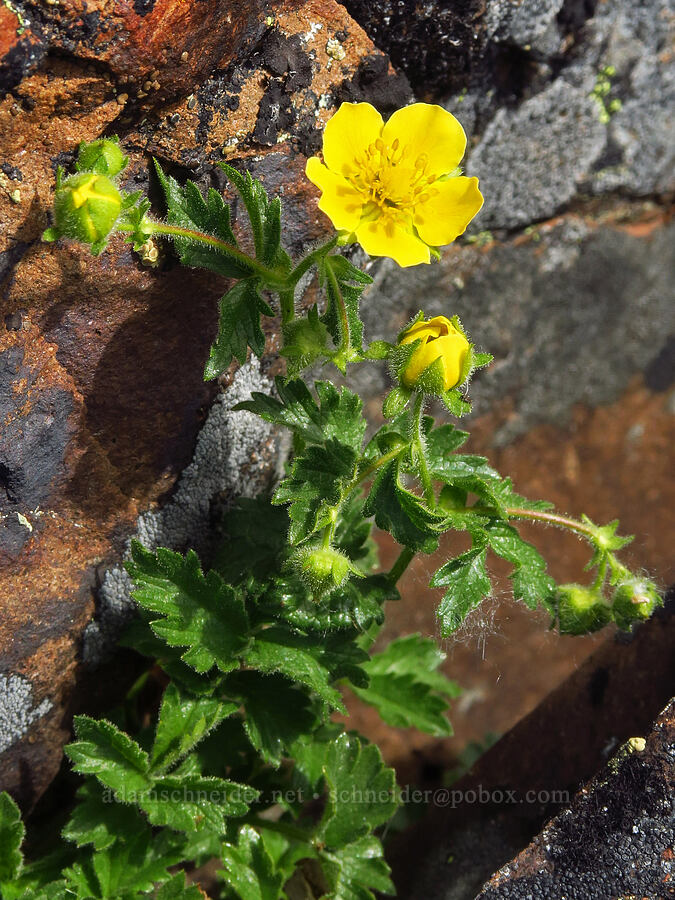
(341, 202)
(454, 348)
(448, 209)
(429, 134)
(348, 134)
(429, 328)
(384, 237)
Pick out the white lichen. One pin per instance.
(17, 712)
(227, 460)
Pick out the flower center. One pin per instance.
(390, 179)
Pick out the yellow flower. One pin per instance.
(387, 186)
(442, 341)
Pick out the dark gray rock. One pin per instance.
(570, 315)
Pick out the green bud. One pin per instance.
(634, 600)
(103, 157)
(581, 609)
(86, 207)
(321, 568)
(305, 340)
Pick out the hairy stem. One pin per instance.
(418, 444)
(342, 313)
(403, 560)
(269, 276)
(311, 259)
(550, 518)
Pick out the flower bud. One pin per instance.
(305, 339)
(321, 568)
(438, 363)
(634, 600)
(581, 609)
(104, 157)
(86, 207)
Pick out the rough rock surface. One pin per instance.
(609, 841)
(101, 392)
(101, 398)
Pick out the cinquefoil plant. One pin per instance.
(242, 761)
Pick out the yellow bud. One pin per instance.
(441, 341)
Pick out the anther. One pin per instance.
(421, 161)
(395, 145)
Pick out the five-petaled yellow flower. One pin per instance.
(387, 186)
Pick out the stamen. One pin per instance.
(395, 145)
(421, 161)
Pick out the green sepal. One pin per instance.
(455, 403)
(395, 402)
(378, 350)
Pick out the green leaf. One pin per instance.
(606, 540)
(455, 403)
(255, 537)
(531, 584)
(194, 802)
(467, 583)
(249, 869)
(341, 280)
(337, 415)
(280, 650)
(277, 712)
(200, 612)
(183, 722)
(111, 755)
(123, 870)
(403, 514)
(12, 833)
(176, 889)
(361, 791)
(98, 821)
(308, 753)
(264, 215)
(238, 328)
(405, 687)
(356, 870)
(314, 486)
(187, 209)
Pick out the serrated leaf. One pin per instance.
(183, 722)
(249, 869)
(12, 833)
(194, 802)
(101, 749)
(467, 583)
(343, 284)
(280, 650)
(123, 870)
(200, 612)
(255, 537)
(264, 216)
(356, 870)
(187, 209)
(308, 753)
(95, 820)
(455, 403)
(406, 688)
(314, 486)
(531, 584)
(361, 791)
(277, 712)
(238, 327)
(337, 414)
(176, 889)
(400, 512)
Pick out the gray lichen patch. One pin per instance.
(230, 459)
(17, 710)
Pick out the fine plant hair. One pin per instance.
(225, 747)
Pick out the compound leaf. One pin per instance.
(200, 612)
(467, 583)
(356, 870)
(12, 833)
(238, 328)
(249, 868)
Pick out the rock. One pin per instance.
(565, 290)
(608, 840)
(615, 839)
(101, 359)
